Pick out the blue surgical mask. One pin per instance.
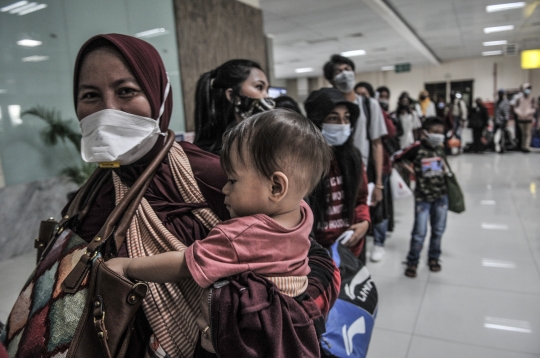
(527, 91)
(336, 134)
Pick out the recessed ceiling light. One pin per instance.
(29, 43)
(494, 43)
(152, 33)
(304, 70)
(32, 9)
(25, 7)
(502, 7)
(387, 68)
(34, 58)
(13, 6)
(491, 53)
(489, 30)
(353, 53)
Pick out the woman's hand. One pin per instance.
(119, 265)
(360, 229)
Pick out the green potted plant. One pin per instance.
(61, 130)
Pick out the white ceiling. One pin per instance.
(306, 32)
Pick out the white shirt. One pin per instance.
(377, 127)
(409, 122)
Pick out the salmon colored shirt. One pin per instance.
(254, 243)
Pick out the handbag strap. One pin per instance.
(124, 209)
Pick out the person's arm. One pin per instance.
(324, 280)
(377, 150)
(362, 219)
(166, 267)
(377, 131)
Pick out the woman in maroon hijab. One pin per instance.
(126, 75)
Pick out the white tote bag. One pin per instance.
(400, 190)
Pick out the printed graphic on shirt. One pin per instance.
(335, 207)
(432, 167)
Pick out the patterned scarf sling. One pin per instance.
(171, 308)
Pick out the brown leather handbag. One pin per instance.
(73, 305)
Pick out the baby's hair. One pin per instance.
(279, 140)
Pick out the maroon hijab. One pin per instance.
(146, 65)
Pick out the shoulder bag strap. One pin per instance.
(125, 208)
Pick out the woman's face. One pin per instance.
(404, 101)
(256, 85)
(339, 115)
(106, 82)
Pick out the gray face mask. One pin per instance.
(434, 139)
(344, 81)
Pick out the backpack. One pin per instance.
(350, 321)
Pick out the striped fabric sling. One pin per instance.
(172, 308)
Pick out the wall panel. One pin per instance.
(211, 32)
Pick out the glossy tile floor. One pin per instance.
(486, 300)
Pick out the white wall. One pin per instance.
(509, 76)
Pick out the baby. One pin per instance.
(272, 160)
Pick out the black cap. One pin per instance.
(320, 102)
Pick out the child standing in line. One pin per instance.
(431, 200)
(273, 160)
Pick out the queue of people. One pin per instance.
(255, 203)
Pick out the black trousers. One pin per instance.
(477, 145)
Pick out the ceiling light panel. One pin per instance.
(35, 58)
(32, 9)
(504, 7)
(13, 6)
(489, 30)
(29, 43)
(22, 8)
(152, 33)
(304, 70)
(494, 43)
(353, 53)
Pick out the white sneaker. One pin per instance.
(377, 254)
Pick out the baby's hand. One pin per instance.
(119, 265)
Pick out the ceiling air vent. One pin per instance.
(511, 50)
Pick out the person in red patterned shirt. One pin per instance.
(339, 202)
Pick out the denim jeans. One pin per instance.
(436, 213)
(379, 232)
(380, 229)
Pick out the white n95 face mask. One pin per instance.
(336, 134)
(113, 138)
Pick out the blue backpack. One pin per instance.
(350, 321)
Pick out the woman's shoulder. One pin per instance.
(204, 164)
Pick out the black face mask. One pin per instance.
(247, 106)
(422, 98)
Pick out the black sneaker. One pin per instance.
(434, 265)
(410, 271)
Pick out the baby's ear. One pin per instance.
(280, 186)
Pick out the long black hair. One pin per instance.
(401, 107)
(349, 161)
(214, 112)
